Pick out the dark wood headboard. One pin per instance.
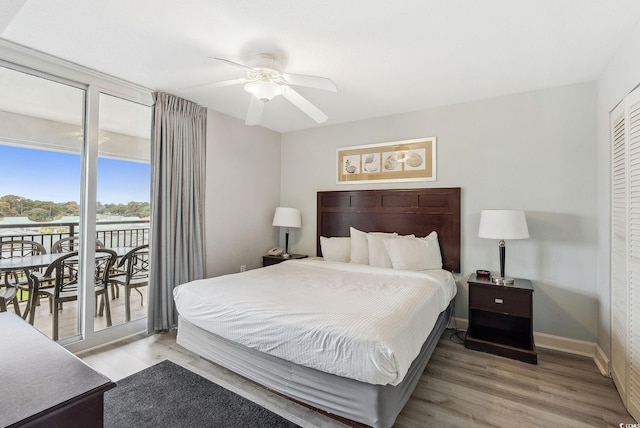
(417, 211)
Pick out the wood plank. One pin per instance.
(460, 387)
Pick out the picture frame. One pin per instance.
(395, 161)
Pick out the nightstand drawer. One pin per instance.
(500, 300)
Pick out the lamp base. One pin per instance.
(501, 280)
(286, 254)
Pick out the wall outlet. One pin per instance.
(243, 268)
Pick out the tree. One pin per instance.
(71, 208)
(16, 203)
(36, 210)
(37, 214)
(6, 210)
(137, 209)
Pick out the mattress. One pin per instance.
(374, 405)
(355, 321)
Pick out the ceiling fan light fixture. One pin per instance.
(265, 80)
(263, 90)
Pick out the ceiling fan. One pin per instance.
(265, 80)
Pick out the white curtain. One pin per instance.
(177, 204)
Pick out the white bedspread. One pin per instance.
(356, 321)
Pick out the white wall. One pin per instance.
(535, 151)
(620, 76)
(242, 191)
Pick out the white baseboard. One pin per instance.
(602, 362)
(565, 344)
(558, 343)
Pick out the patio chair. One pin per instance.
(70, 243)
(17, 281)
(135, 268)
(8, 294)
(67, 245)
(65, 272)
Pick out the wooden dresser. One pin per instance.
(43, 384)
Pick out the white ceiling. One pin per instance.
(385, 57)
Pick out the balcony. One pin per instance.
(129, 232)
(112, 233)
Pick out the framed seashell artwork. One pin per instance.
(408, 160)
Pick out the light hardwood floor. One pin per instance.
(459, 388)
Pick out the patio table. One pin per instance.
(42, 260)
(28, 262)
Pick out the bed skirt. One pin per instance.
(373, 405)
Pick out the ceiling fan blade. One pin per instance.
(323, 83)
(235, 64)
(303, 104)
(214, 84)
(254, 115)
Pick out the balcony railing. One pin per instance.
(120, 233)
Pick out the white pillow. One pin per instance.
(360, 245)
(378, 255)
(336, 249)
(415, 254)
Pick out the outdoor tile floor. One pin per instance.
(68, 314)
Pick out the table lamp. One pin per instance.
(503, 224)
(287, 217)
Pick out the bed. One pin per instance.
(337, 364)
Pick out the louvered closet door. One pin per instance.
(619, 283)
(633, 261)
(625, 251)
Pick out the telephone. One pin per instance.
(275, 251)
(483, 274)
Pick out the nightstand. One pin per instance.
(501, 319)
(274, 260)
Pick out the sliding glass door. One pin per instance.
(74, 166)
(41, 146)
(123, 202)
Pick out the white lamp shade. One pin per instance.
(287, 217)
(503, 224)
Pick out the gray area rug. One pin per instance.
(168, 395)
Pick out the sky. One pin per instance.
(54, 176)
